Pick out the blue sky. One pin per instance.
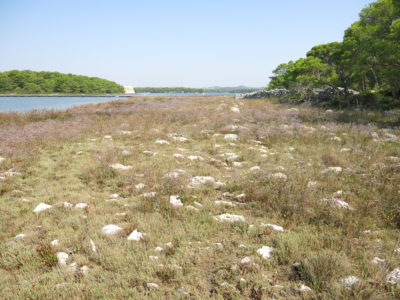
(168, 43)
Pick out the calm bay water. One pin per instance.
(23, 104)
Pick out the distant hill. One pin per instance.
(31, 82)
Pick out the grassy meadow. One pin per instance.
(315, 195)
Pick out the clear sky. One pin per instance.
(168, 43)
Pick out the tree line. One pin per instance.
(31, 82)
(367, 60)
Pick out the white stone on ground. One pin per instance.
(178, 155)
(332, 170)
(119, 166)
(279, 175)
(230, 156)
(41, 207)
(111, 229)
(201, 205)
(162, 142)
(349, 282)
(255, 168)
(84, 270)
(235, 109)
(158, 249)
(191, 207)
(303, 288)
(20, 236)
(169, 245)
(393, 277)
(54, 243)
(2, 159)
(231, 137)
(140, 186)
(81, 205)
(152, 286)
(230, 218)
(245, 261)
(62, 258)
(274, 227)
(179, 139)
(397, 251)
(125, 153)
(114, 196)
(152, 257)
(67, 205)
(92, 245)
(148, 152)
(338, 203)
(265, 251)
(345, 150)
(312, 184)
(195, 157)
(149, 195)
(135, 236)
(108, 137)
(376, 260)
(200, 180)
(222, 202)
(175, 201)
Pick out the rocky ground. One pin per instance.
(199, 198)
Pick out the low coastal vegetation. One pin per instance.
(238, 89)
(367, 61)
(31, 82)
(200, 197)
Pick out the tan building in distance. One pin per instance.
(129, 89)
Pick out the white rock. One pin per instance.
(126, 153)
(345, 150)
(152, 257)
(230, 218)
(332, 170)
(125, 132)
(84, 270)
(178, 155)
(2, 159)
(279, 176)
(195, 157)
(376, 260)
(108, 137)
(179, 139)
(140, 186)
(41, 207)
(67, 205)
(312, 184)
(336, 139)
(245, 261)
(81, 205)
(119, 166)
(149, 195)
(230, 156)
(152, 286)
(200, 180)
(304, 289)
(162, 142)
(54, 243)
(265, 251)
(111, 229)
(394, 276)
(114, 196)
(158, 249)
(191, 207)
(120, 214)
(135, 236)
(274, 227)
(62, 258)
(226, 203)
(349, 282)
(238, 164)
(169, 245)
(338, 203)
(72, 267)
(397, 251)
(175, 201)
(92, 245)
(197, 204)
(231, 137)
(255, 168)
(20, 236)
(148, 152)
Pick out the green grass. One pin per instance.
(64, 157)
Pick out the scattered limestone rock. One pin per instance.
(200, 180)
(235, 109)
(126, 153)
(345, 150)
(81, 205)
(312, 184)
(135, 236)
(84, 270)
(119, 166)
(152, 286)
(140, 186)
(338, 203)
(265, 251)
(255, 168)
(93, 245)
(274, 227)
(20, 236)
(336, 170)
(195, 157)
(149, 195)
(158, 249)
(231, 137)
(178, 155)
(62, 258)
(230, 218)
(226, 203)
(111, 229)
(279, 175)
(175, 201)
(2, 159)
(162, 142)
(376, 260)
(67, 205)
(245, 261)
(152, 257)
(304, 289)
(191, 207)
(394, 276)
(41, 207)
(108, 137)
(349, 282)
(397, 251)
(180, 139)
(148, 152)
(54, 243)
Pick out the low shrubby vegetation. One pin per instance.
(31, 82)
(202, 197)
(366, 61)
